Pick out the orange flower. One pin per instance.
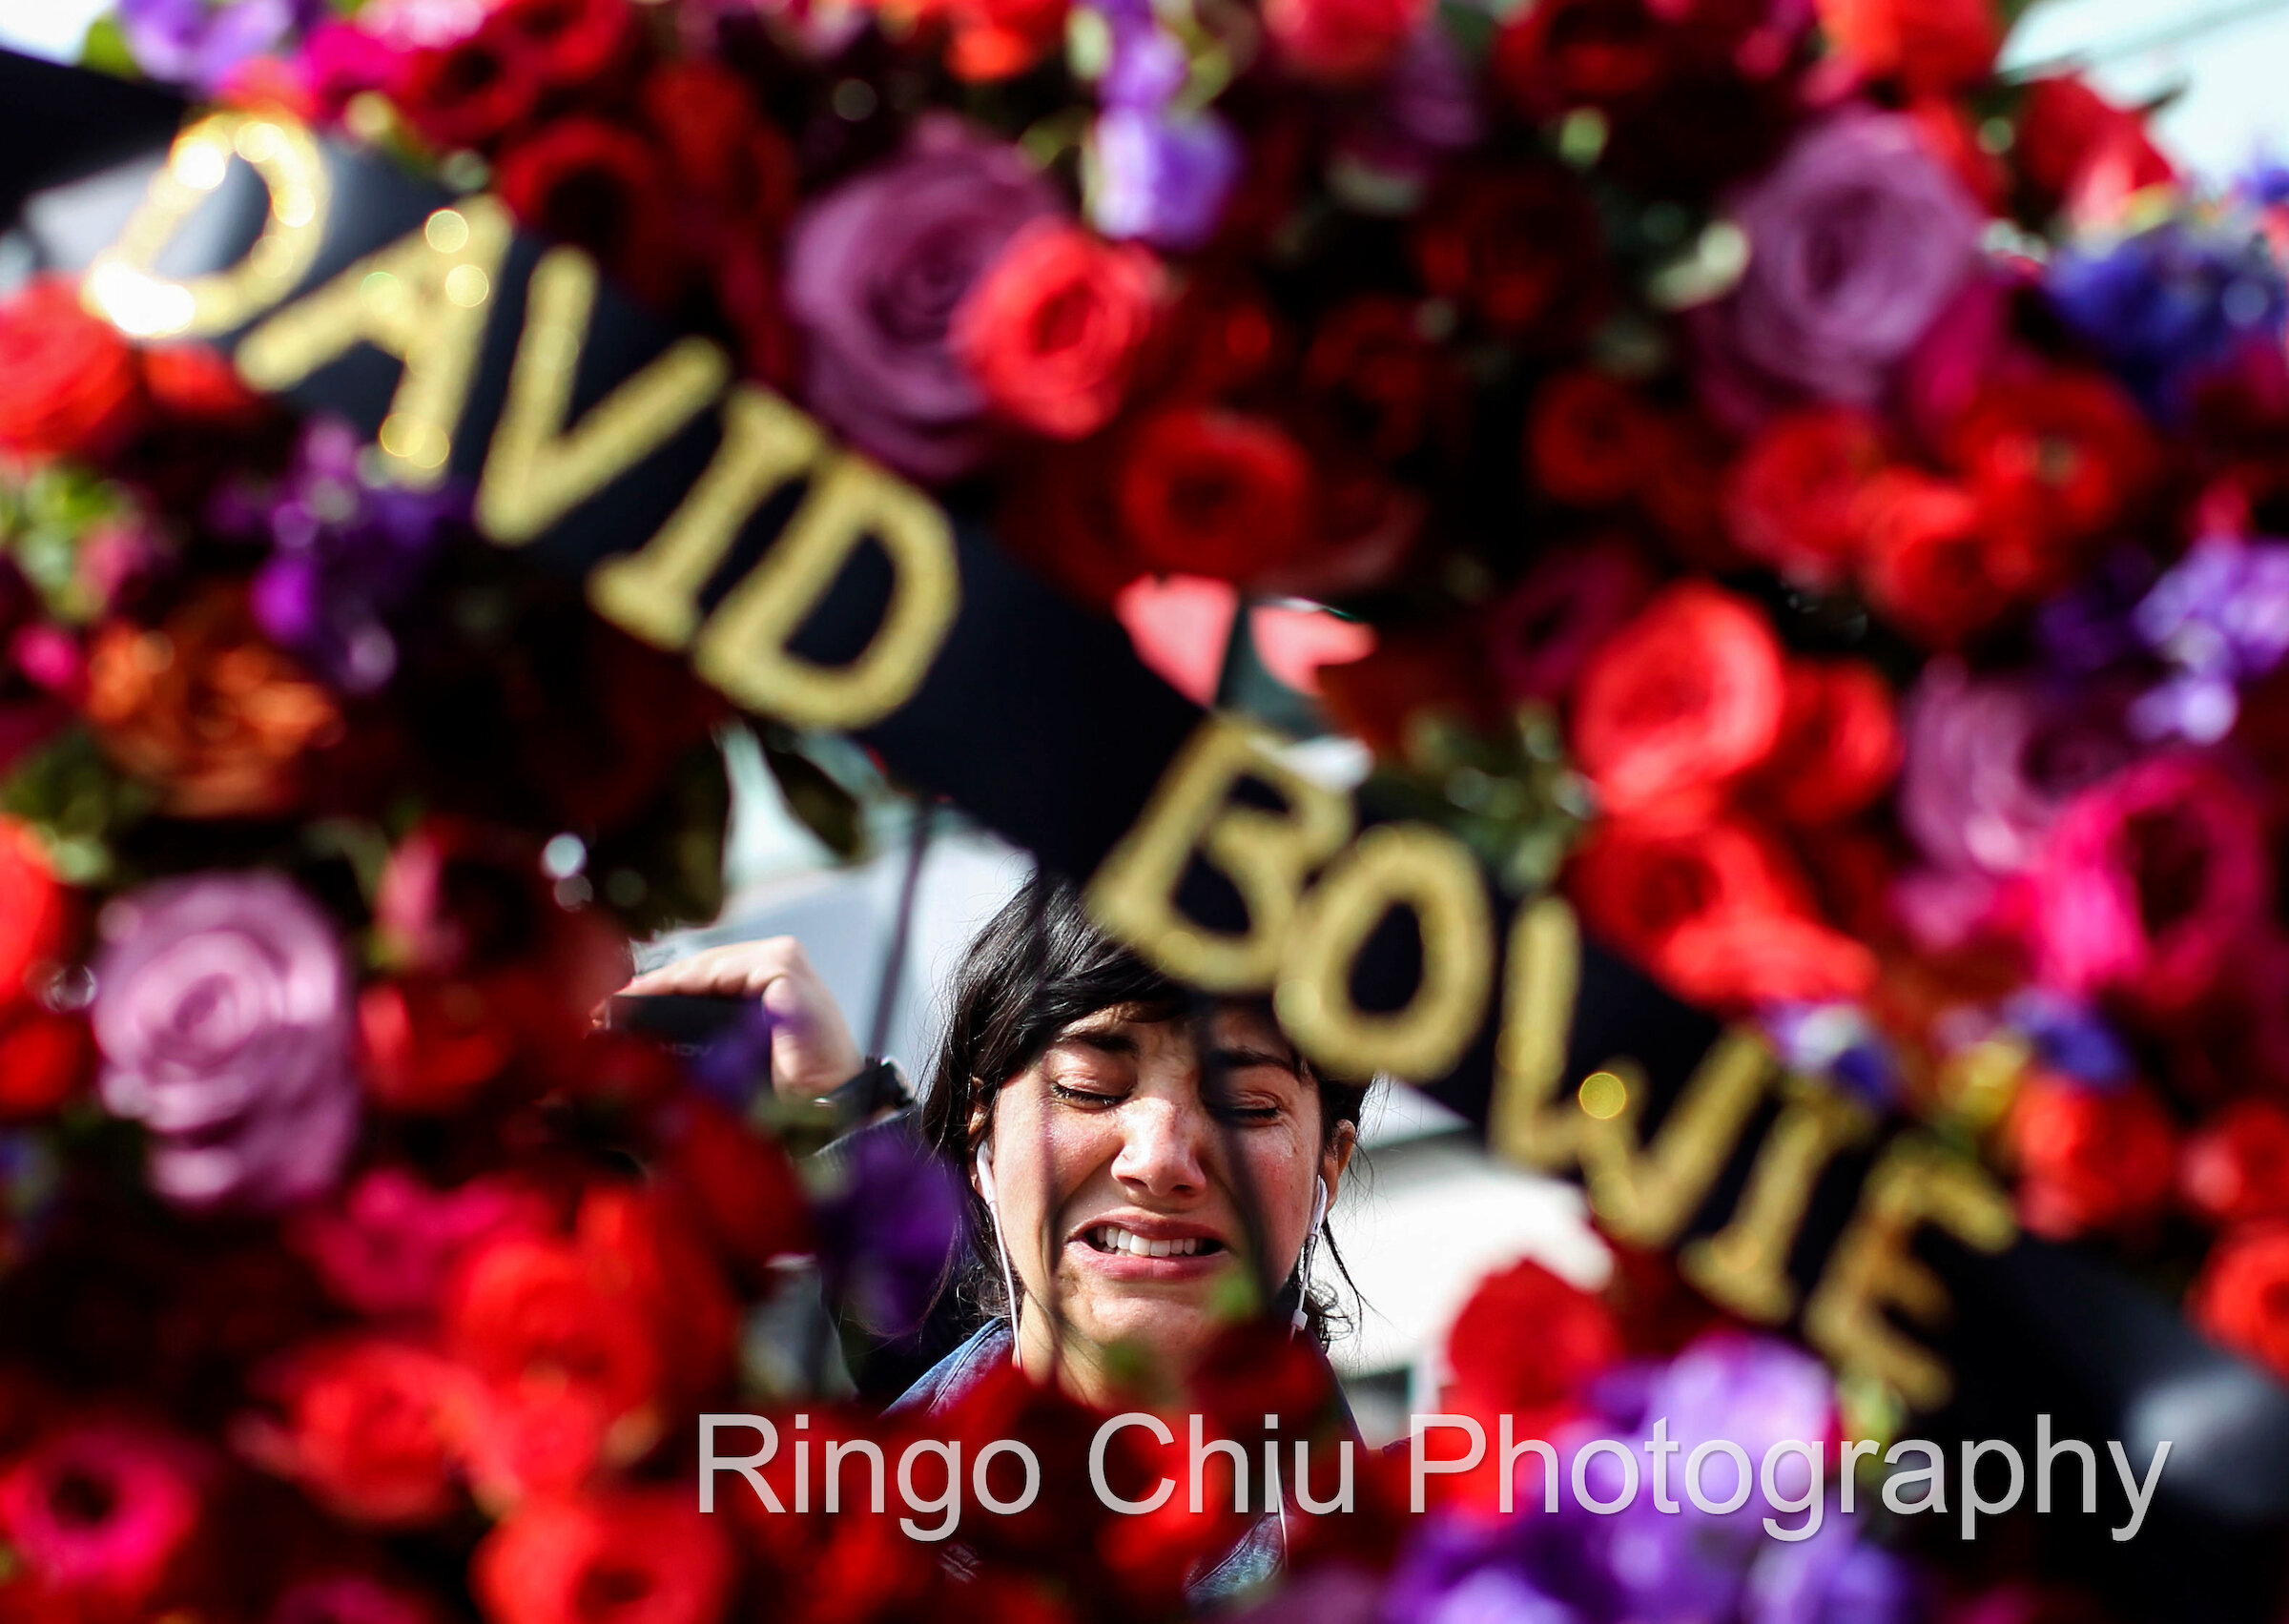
(207, 710)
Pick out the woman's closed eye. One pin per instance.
(1089, 1096)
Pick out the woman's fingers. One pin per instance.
(735, 970)
(812, 1050)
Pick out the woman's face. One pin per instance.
(1120, 1186)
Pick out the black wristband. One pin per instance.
(878, 1085)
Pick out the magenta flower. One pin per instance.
(348, 1598)
(223, 1014)
(389, 1245)
(875, 272)
(2152, 882)
(99, 1509)
(1858, 241)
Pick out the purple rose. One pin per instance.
(223, 1014)
(1988, 763)
(200, 43)
(1858, 241)
(875, 270)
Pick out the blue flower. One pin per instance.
(2171, 304)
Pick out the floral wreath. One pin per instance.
(1798, 491)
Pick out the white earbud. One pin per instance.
(1303, 1261)
(993, 1210)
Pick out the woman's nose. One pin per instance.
(1163, 1148)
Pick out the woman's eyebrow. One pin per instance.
(1235, 1056)
(1109, 1040)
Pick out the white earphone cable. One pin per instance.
(993, 1210)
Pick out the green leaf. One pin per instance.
(105, 48)
(824, 807)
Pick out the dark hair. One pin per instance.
(1037, 966)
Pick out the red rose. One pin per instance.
(539, 1436)
(1341, 41)
(197, 383)
(719, 149)
(2242, 1296)
(368, 1430)
(2088, 1158)
(602, 188)
(1927, 561)
(2236, 1170)
(1563, 54)
(997, 39)
(1529, 1340)
(1839, 745)
(2074, 142)
(640, 1251)
(430, 1042)
(1681, 701)
(1059, 518)
(1590, 441)
(1639, 881)
(1205, 492)
(74, 385)
(524, 1307)
(1385, 383)
(1717, 912)
(1792, 497)
(636, 1556)
(570, 43)
(1731, 961)
(2056, 459)
(1683, 490)
(1519, 248)
(1934, 46)
(1222, 338)
(44, 1058)
(468, 94)
(34, 910)
(1052, 329)
(2153, 882)
(738, 1182)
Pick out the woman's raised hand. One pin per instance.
(812, 1050)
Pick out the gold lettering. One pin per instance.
(1537, 1022)
(656, 592)
(537, 471)
(424, 299)
(1645, 1196)
(743, 648)
(1430, 872)
(1267, 855)
(1744, 1265)
(1915, 1183)
(124, 286)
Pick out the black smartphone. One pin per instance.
(679, 1020)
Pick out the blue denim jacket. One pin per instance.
(1256, 1559)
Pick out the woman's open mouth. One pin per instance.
(1113, 1239)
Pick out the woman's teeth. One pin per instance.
(1109, 1238)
